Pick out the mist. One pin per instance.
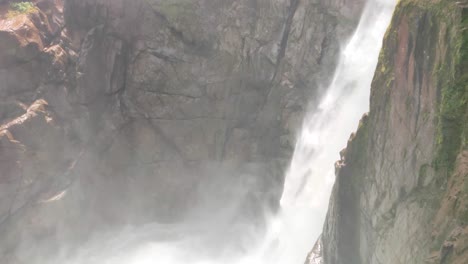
(226, 218)
(216, 229)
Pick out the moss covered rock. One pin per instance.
(406, 201)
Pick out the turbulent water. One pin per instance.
(289, 234)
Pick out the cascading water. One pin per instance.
(325, 133)
(291, 233)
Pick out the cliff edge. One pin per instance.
(401, 191)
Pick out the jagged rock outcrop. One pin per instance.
(400, 194)
(131, 106)
(316, 255)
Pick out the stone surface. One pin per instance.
(168, 99)
(395, 192)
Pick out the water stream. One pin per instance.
(291, 233)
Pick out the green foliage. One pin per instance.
(446, 36)
(453, 78)
(21, 8)
(464, 70)
(176, 9)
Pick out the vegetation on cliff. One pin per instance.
(411, 189)
(21, 8)
(454, 93)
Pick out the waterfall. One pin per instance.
(290, 234)
(325, 133)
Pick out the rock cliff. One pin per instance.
(134, 106)
(401, 193)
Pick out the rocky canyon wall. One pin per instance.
(120, 112)
(401, 193)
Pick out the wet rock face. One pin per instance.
(155, 98)
(195, 83)
(398, 177)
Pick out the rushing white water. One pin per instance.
(325, 133)
(292, 232)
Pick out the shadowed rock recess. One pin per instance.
(119, 112)
(401, 194)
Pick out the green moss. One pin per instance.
(21, 8)
(442, 9)
(453, 81)
(439, 30)
(423, 172)
(425, 116)
(463, 217)
(444, 34)
(464, 69)
(177, 10)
